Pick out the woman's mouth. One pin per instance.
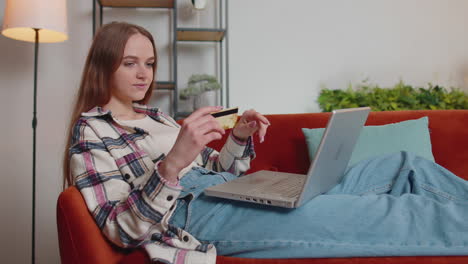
(140, 85)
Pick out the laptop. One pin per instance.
(326, 170)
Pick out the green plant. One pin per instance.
(199, 83)
(400, 97)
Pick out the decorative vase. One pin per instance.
(207, 98)
(186, 105)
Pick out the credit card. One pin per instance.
(227, 118)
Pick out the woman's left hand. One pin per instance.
(250, 122)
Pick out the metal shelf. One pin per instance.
(181, 115)
(179, 35)
(200, 34)
(138, 3)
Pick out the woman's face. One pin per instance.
(135, 73)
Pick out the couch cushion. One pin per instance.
(411, 135)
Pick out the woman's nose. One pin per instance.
(141, 73)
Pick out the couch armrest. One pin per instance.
(80, 239)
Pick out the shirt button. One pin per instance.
(127, 176)
(185, 238)
(169, 198)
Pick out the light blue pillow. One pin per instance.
(412, 136)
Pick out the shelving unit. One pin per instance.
(218, 35)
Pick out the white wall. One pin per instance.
(282, 51)
(280, 54)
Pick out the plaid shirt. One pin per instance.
(115, 169)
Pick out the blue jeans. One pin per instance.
(395, 205)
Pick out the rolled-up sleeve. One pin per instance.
(234, 157)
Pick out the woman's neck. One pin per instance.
(122, 110)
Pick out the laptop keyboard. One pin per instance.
(290, 187)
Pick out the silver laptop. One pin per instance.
(326, 169)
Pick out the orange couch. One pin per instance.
(82, 242)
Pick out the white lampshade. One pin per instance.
(22, 16)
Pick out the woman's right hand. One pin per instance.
(198, 129)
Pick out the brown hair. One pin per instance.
(104, 58)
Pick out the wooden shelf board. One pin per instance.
(165, 86)
(186, 34)
(138, 3)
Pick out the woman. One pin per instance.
(142, 177)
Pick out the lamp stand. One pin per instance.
(34, 125)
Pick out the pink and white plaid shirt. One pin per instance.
(115, 169)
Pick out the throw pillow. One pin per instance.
(411, 135)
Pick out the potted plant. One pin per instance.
(399, 97)
(202, 89)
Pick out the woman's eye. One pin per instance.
(128, 63)
(151, 64)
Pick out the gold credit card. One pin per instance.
(227, 118)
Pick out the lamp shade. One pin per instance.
(22, 16)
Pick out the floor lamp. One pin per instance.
(35, 21)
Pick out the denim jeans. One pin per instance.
(394, 205)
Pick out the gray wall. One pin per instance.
(280, 54)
